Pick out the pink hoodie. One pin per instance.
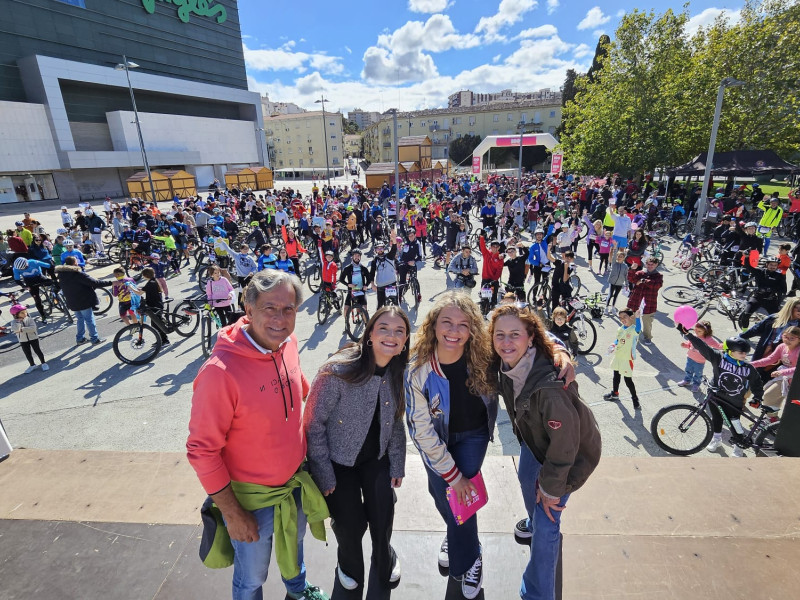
(783, 357)
(246, 422)
(694, 354)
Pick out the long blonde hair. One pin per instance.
(785, 313)
(478, 349)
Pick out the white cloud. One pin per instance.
(428, 6)
(581, 51)
(508, 13)
(347, 49)
(538, 32)
(282, 59)
(593, 18)
(620, 13)
(496, 58)
(552, 5)
(400, 56)
(538, 63)
(598, 32)
(706, 18)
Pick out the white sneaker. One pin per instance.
(444, 557)
(395, 576)
(714, 444)
(30, 369)
(472, 581)
(738, 452)
(348, 583)
(45, 367)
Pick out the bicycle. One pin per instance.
(329, 300)
(210, 324)
(685, 429)
(138, 343)
(313, 274)
(412, 284)
(53, 298)
(355, 316)
(583, 328)
(487, 291)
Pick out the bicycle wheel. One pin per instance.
(340, 301)
(314, 278)
(59, 302)
(681, 294)
(208, 334)
(586, 333)
(137, 344)
(323, 309)
(575, 282)
(765, 438)
(108, 236)
(185, 318)
(47, 303)
(681, 429)
(105, 301)
(202, 278)
(415, 290)
(356, 322)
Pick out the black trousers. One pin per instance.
(730, 411)
(628, 382)
(613, 295)
(34, 346)
(363, 498)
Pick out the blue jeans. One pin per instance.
(251, 560)
(694, 371)
(539, 578)
(468, 450)
(85, 319)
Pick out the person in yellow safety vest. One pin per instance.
(773, 213)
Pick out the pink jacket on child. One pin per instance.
(695, 355)
(783, 357)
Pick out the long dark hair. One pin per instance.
(355, 362)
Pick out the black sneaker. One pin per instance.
(472, 580)
(611, 396)
(444, 559)
(636, 405)
(522, 532)
(83, 341)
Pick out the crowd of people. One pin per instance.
(277, 453)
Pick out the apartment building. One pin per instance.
(363, 118)
(470, 98)
(443, 125)
(298, 140)
(352, 145)
(270, 108)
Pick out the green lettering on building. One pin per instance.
(186, 8)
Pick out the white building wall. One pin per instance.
(216, 140)
(27, 143)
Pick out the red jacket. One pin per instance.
(492, 263)
(246, 422)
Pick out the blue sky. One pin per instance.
(412, 54)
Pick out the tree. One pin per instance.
(568, 91)
(600, 52)
(461, 148)
(349, 127)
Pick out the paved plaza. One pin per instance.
(101, 467)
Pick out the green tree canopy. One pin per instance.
(461, 148)
(650, 103)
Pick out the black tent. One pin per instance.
(738, 164)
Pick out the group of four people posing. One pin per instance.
(254, 444)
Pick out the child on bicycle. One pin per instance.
(563, 330)
(694, 360)
(121, 290)
(733, 377)
(153, 303)
(624, 353)
(330, 271)
(220, 295)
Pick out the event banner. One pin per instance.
(476, 165)
(555, 167)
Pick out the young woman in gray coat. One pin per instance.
(357, 449)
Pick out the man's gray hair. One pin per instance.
(269, 279)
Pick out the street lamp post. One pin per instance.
(521, 129)
(702, 204)
(323, 100)
(126, 66)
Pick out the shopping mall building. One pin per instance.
(67, 127)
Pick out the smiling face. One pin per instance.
(511, 339)
(388, 336)
(452, 334)
(272, 316)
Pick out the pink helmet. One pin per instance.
(16, 309)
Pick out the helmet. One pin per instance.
(142, 224)
(21, 264)
(69, 243)
(253, 223)
(538, 230)
(719, 195)
(772, 259)
(755, 185)
(63, 208)
(328, 252)
(751, 224)
(355, 251)
(736, 344)
(61, 231)
(19, 223)
(155, 255)
(126, 226)
(16, 309)
(170, 218)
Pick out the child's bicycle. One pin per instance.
(685, 429)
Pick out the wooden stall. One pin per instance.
(139, 186)
(241, 179)
(181, 183)
(264, 178)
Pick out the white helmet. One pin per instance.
(69, 242)
(21, 264)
